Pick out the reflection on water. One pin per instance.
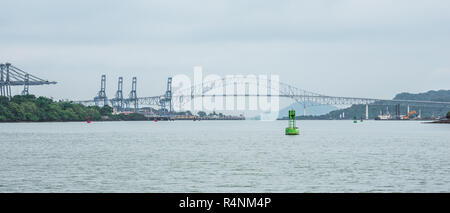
(224, 156)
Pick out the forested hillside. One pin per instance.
(440, 95)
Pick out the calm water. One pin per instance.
(225, 156)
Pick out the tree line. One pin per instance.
(30, 108)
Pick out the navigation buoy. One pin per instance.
(292, 129)
(89, 120)
(156, 119)
(355, 120)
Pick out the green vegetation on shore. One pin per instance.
(30, 108)
(448, 115)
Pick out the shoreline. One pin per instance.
(120, 120)
(152, 120)
(439, 122)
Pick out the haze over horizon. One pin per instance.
(372, 49)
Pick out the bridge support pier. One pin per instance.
(367, 111)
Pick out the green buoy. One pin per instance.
(355, 120)
(292, 129)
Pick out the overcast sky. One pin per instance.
(354, 48)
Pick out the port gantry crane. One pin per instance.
(132, 97)
(101, 96)
(13, 76)
(119, 103)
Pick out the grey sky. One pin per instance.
(346, 48)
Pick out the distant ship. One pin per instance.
(383, 117)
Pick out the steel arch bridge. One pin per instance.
(215, 88)
(206, 89)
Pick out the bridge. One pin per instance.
(165, 102)
(13, 76)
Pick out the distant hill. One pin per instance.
(433, 95)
